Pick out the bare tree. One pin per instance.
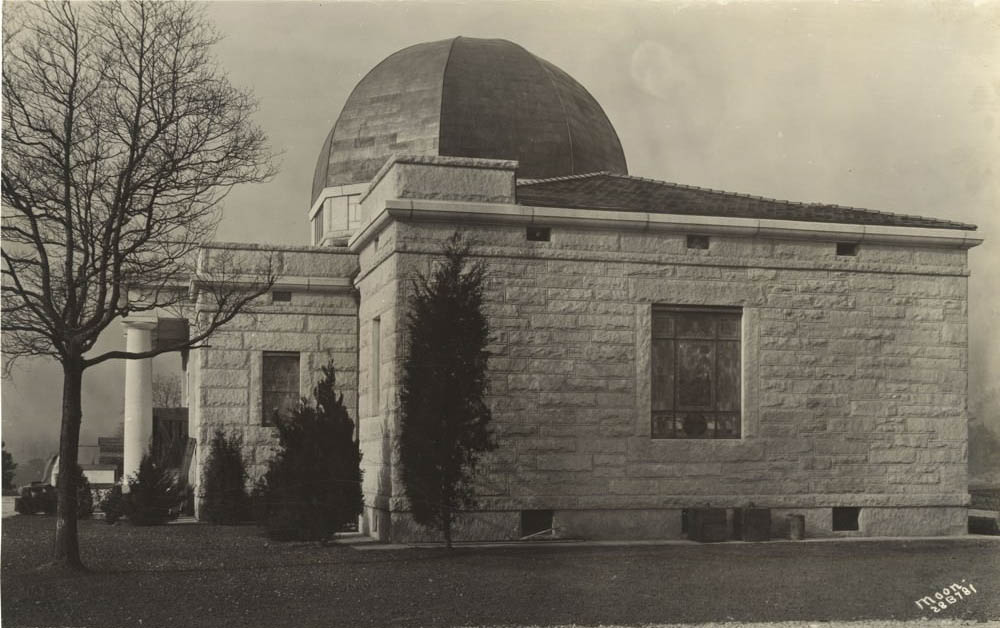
(121, 137)
(167, 391)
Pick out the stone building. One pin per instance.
(655, 347)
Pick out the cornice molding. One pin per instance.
(459, 212)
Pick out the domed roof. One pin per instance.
(466, 97)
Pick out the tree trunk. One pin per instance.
(67, 548)
(447, 529)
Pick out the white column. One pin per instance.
(138, 395)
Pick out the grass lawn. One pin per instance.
(200, 575)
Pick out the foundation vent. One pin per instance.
(845, 519)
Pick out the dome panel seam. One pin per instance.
(562, 105)
(444, 73)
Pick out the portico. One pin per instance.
(144, 332)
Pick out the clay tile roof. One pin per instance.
(605, 190)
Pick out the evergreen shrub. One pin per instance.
(84, 495)
(113, 505)
(225, 500)
(154, 495)
(312, 487)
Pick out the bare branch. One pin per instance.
(224, 289)
(121, 138)
(168, 391)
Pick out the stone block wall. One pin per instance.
(378, 284)
(319, 323)
(854, 377)
(441, 178)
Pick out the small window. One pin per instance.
(847, 249)
(279, 386)
(697, 242)
(845, 518)
(318, 226)
(535, 521)
(375, 363)
(281, 296)
(539, 234)
(696, 372)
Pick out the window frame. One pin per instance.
(739, 431)
(319, 229)
(265, 417)
(375, 375)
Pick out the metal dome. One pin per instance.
(466, 97)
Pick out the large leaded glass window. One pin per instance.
(279, 386)
(696, 372)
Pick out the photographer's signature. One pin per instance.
(946, 597)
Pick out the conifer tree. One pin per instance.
(445, 422)
(153, 494)
(8, 469)
(313, 485)
(225, 500)
(84, 495)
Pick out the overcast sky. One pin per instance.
(889, 106)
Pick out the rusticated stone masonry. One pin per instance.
(854, 372)
(319, 323)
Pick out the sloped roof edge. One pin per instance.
(620, 192)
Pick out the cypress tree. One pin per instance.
(444, 422)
